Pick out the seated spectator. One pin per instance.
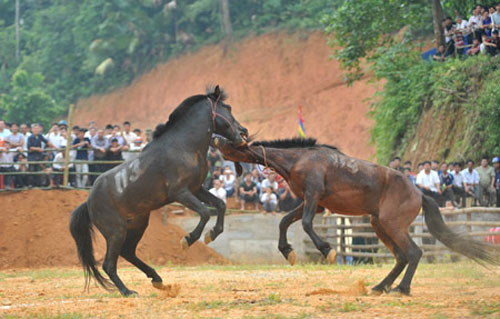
(287, 199)
(257, 179)
(82, 146)
(461, 25)
(486, 186)
(496, 165)
(229, 181)
(21, 180)
(420, 167)
(408, 164)
(271, 182)
(428, 182)
(435, 166)
(486, 46)
(475, 49)
(15, 138)
(248, 192)
(114, 153)
(439, 56)
(458, 184)
(6, 164)
(218, 190)
(408, 173)
(58, 167)
(471, 181)
(492, 44)
(269, 200)
(449, 31)
(446, 181)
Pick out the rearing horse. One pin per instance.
(170, 169)
(325, 177)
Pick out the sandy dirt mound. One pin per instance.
(266, 77)
(34, 233)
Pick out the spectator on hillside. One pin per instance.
(485, 44)
(229, 181)
(82, 145)
(269, 200)
(58, 167)
(475, 48)
(99, 144)
(218, 190)
(408, 173)
(15, 138)
(440, 55)
(114, 153)
(448, 36)
(486, 186)
(486, 24)
(287, 199)
(4, 132)
(461, 26)
(271, 182)
(35, 153)
(474, 22)
(471, 181)
(446, 182)
(496, 166)
(428, 182)
(491, 45)
(21, 180)
(6, 166)
(458, 184)
(495, 18)
(248, 192)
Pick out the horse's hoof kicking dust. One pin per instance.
(331, 257)
(184, 243)
(208, 237)
(292, 256)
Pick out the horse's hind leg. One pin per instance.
(401, 261)
(129, 251)
(283, 245)
(208, 198)
(187, 199)
(413, 254)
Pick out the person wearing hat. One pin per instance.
(496, 167)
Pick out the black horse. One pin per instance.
(170, 169)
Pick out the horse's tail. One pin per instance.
(81, 230)
(460, 243)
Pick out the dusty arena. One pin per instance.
(39, 278)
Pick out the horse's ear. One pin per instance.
(217, 91)
(239, 169)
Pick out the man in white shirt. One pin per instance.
(129, 138)
(4, 132)
(428, 182)
(471, 181)
(229, 181)
(461, 25)
(458, 183)
(218, 190)
(270, 181)
(495, 18)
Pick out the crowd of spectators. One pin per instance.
(478, 34)
(257, 188)
(90, 147)
(450, 184)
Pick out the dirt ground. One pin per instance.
(238, 291)
(34, 233)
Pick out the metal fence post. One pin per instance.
(68, 146)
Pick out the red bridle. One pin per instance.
(213, 107)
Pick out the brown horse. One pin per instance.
(325, 177)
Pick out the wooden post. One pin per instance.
(342, 240)
(68, 147)
(469, 226)
(437, 11)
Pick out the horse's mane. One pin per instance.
(184, 107)
(293, 143)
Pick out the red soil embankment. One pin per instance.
(34, 233)
(266, 78)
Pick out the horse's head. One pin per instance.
(224, 121)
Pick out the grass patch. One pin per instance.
(204, 305)
(483, 308)
(42, 274)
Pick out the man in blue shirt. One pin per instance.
(82, 146)
(35, 153)
(446, 182)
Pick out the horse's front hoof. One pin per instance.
(398, 292)
(158, 285)
(331, 256)
(184, 243)
(376, 293)
(129, 293)
(292, 256)
(208, 237)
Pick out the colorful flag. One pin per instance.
(302, 130)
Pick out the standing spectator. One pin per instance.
(108, 130)
(90, 134)
(269, 200)
(218, 190)
(428, 182)
(408, 174)
(25, 131)
(486, 184)
(15, 138)
(471, 181)
(82, 146)
(229, 181)
(35, 153)
(420, 167)
(4, 132)
(270, 182)
(129, 138)
(21, 180)
(6, 164)
(486, 24)
(495, 18)
(92, 130)
(461, 25)
(446, 181)
(114, 153)
(248, 192)
(287, 199)
(54, 136)
(99, 144)
(136, 147)
(496, 165)
(58, 167)
(75, 130)
(458, 184)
